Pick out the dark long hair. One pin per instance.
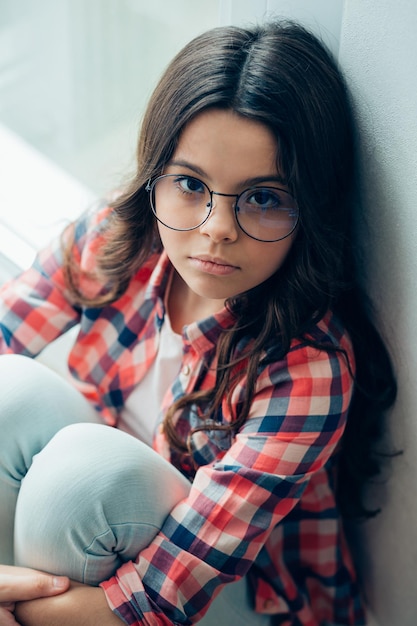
(281, 75)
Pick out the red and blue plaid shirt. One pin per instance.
(262, 502)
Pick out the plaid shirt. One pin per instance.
(262, 502)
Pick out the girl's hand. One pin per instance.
(21, 583)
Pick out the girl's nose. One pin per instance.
(221, 224)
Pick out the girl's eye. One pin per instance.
(188, 185)
(263, 198)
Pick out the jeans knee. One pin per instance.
(110, 459)
(94, 489)
(72, 456)
(107, 473)
(58, 492)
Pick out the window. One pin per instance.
(75, 76)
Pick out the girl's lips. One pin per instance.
(218, 267)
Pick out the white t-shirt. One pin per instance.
(140, 414)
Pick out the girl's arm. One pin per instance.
(35, 307)
(80, 605)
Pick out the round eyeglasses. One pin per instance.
(182, 202)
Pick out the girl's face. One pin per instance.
(217, 260)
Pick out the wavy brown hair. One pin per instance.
(283, 76)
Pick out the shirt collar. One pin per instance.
(204, 334)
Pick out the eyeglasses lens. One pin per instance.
(267, 213)
(180, 202)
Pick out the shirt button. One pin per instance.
(186, 370)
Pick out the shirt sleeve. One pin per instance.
(35, 307)
(213, 537)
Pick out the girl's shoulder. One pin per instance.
(323, 341)
(330, 332)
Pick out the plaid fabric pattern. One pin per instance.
(262, 502)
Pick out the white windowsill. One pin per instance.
(37, 199)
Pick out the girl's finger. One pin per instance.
(18, 584)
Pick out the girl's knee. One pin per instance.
(93, 492)
(87, 460)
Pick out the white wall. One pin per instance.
(323, 16)
(379, 54)
(376, 43)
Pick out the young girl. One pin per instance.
(222, 332)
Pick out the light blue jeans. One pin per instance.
(77, 497)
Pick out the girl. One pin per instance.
(220, 322)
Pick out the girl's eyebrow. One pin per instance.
(189, 166)
(249, 182)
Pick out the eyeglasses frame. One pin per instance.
(152, 182)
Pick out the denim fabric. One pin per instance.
(35, 403)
